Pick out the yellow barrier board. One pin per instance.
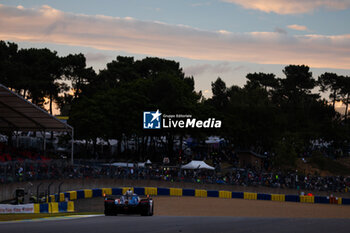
(107, 191)
(307, 199)
(250, 196)
(126, 189)
(70, 206)
(52, 198)
(151, 191)
(72, 195)
(53, 207)
(62, 197)
(87, 193)
(36, 208)
(340, 201)
(175, 192)
(200, 193)
(225, 194)
(278, 197)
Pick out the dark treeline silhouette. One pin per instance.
(279, 115)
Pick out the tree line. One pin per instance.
(279, 114)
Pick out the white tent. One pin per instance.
(214, 140)
(195, 164)
(148, 162)
(119, 164)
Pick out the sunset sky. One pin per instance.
(210, 38)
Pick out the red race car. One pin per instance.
(128, 204)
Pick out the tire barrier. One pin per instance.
(154, 191)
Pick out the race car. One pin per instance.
(128, 204)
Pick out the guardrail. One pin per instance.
(154, 191)
(50, 207)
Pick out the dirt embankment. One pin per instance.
(194, 206)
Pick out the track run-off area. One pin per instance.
(193, 214)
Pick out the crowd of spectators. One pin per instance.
(59, 169)
(9, 153)
(24, 165)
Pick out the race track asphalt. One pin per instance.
(188, 224)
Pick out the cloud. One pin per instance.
(291, 6)
(280, 30)
(97, 57)
(130, 35)
(223, 67)
(298, 27)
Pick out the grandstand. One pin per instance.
(18, 114)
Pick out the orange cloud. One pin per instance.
(164, 40)
(298, 27)
(291, 6)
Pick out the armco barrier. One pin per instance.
(80, 194)
(153, 191)
(87, 193)
(321, 199)
(163, 191)
(250, 196)
(292, 198)
(263, 196)
(225, 194)
(188, 192)
(212, 193)
(278, 197)
(175, 192)
(96, 192)
(340, 200)
(71, 195)
(307, 199)
(54, 207)
(237, 195)
(106, 191)
(200, 193)
(139, 191)
(346, 201)
(117, 191)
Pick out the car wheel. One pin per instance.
(146, 211)
(107, 213)
(151, 210)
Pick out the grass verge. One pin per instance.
(14, 217)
